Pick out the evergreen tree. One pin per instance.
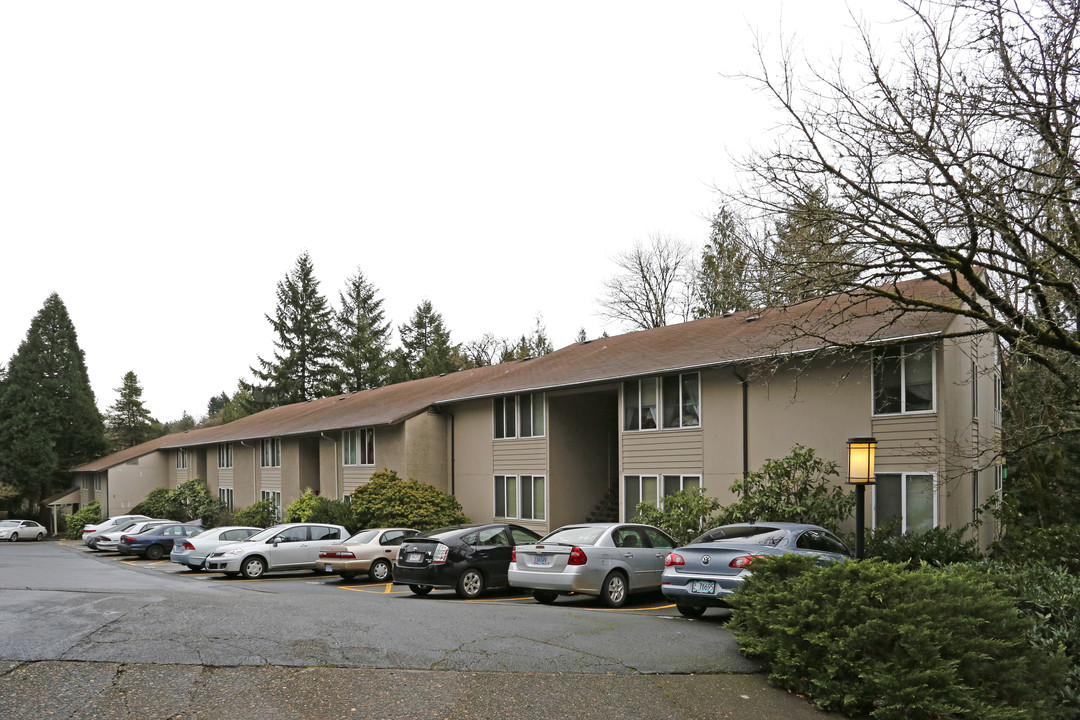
(534, 344)
(725, 281)
(301, 367)
(426, 350)
(49, 421)
(363, 338)
(128, 421)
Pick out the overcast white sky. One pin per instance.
(162, 165)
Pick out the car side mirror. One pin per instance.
(274, 541)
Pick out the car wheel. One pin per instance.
(381, 571)
(690, 611)
(39, 537)
(347, 575)
(420, 589)
(545, 596)
(253, 568)
(154, 552)
(613, 591)
(14, 537)
(92, 545)
(470, 584)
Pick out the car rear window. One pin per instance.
(362, 537)
(574, 536)
(739, 532)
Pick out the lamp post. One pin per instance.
(860, 452)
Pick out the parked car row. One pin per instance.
(609, 560)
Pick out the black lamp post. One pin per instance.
(860, 452)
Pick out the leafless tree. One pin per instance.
(954, 160)
(654, 285)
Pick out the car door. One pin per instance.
(491, 553)
(289, 549)
(633, 554)
(660, 545)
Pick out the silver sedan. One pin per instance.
(610, 560)
(192, 552)
(13, 530)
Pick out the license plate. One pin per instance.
(414, 557)
(329, 568)
(541, 560)
(703, 586)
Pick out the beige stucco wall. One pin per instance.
(474, 459)
(245, 473)
(426, 443)
(130, 483)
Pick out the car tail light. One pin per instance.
(128, 539)
(440, 554)
(577, 557)
(742, 561)
(513, 554)
(187, 546)
(674, 559)
(340, 554)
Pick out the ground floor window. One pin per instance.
(226, 496)
(653, 489)
(910, 499)
(506, 496)
(274, 495)
(533, 499)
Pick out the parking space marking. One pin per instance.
(523, 597)
(387, 589)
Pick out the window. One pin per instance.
(519, 416)
(638, 489)
(909, 497)
(225, 495)
(274, 495)
(224, 455)
(506, 496)
(348, 447)
(680, 396)
(97, 483)
(358, 447)
(974, 390)
(903, 379)
(675, 483)
(181, 459)
(533, 502)
(997, 400)
(999, 479)
(271, 453)
(974, 496)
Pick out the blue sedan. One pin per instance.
(706, 572)
(157, 542)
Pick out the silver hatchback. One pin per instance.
(610, 560)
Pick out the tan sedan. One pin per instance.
(368, 551)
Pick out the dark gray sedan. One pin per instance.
(706, 572)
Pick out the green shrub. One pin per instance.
(797, 488)
(158, 504)
(938, 547)
(310, 507)
(87, 515)
(388, 501)
(190, 500)
(1054, 545)
(263, 513)
(685, 514)
(890, 642)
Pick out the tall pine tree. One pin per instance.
(49, 421)
(301, 368)
(363, 338)
(426, 350)
(128, 421)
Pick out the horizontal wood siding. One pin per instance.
(225, 477)
(512, 457)
(671, 452)
(907, 442)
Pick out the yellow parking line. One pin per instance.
(523, 597)
(658, 607)
(387, 589)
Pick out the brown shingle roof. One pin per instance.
(812, 325)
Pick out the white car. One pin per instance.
(291, 546)
(90, 532)
(13, 530)
(191, 552)
(110, 540)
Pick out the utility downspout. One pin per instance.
(745, 421)
(337, 480)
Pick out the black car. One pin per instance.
(467, 558)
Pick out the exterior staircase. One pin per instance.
(607, 510)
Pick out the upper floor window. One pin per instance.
(519, 416)
(225, 455)
(997, 399)
(181, 459)
(674, 400)
(903, 379)
(271, 453)
(358, 447)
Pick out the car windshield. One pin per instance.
(362, 537)
(574, 536)
(265, 534)
(8, 523)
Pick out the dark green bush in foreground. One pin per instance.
(87, 515)
(388, 501)
(938, 547)
(890, 642)
(1055, 545)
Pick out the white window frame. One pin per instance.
(999, 479)
(225, 455)
(682, 483)
(501, 406)
(660, 407)
(500, 482)
(997, 399)
(97, 483)
(365, 440)
(270, 456)
(531, 481)
(225, 495)
(349, 454)
(637, 386)
(680, 402)
(274, 495)
(904, 498)
(181, 459)
(628, 511)
(904, 354)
